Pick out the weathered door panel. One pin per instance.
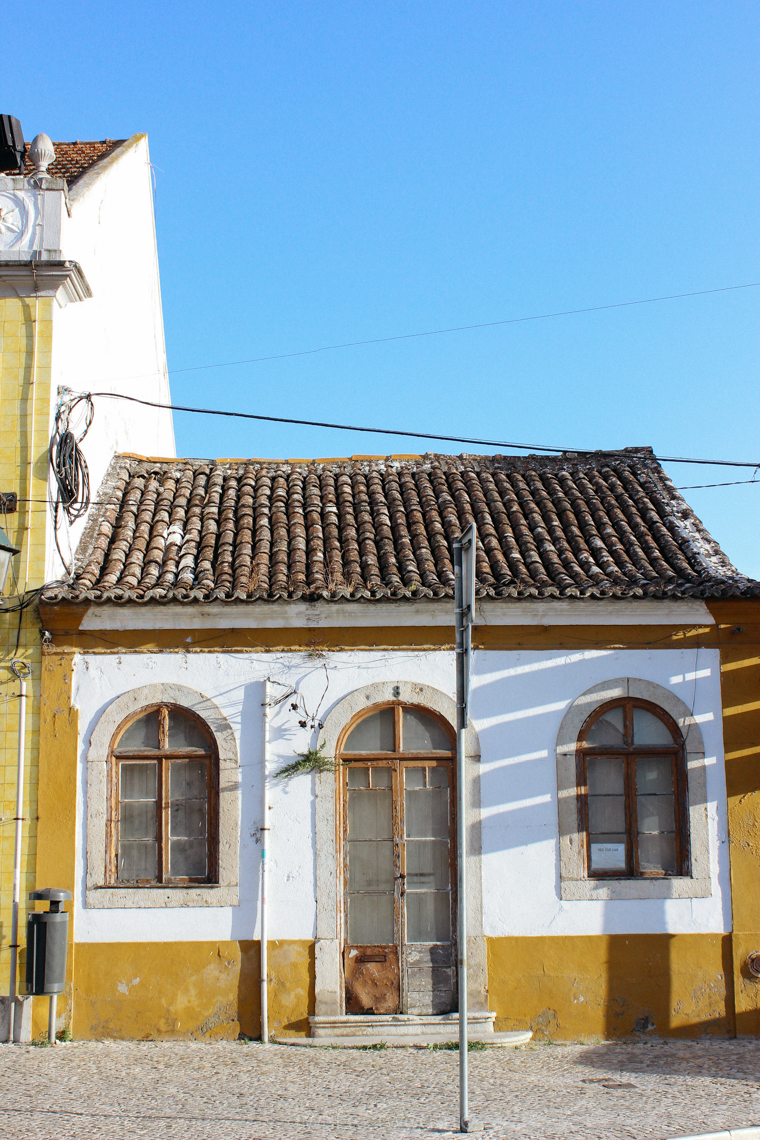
(428, 936)
(372, 979)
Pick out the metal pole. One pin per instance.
(264, 829)
(464, 614)
(51, 1019)
(22, 670)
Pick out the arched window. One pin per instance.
(632, 784)
(164, 784)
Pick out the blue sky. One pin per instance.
(335, 172)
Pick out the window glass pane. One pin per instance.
(606, 814)
(382, 778)
(607, 852)
(370, 920)
(187, 858)
(657, 853)
(654, 774)
(414, 777)
(373, 734)
(138, 860)
(138, 781)
(608, 730)
(370, 814)
(137, 819)
(421, 733)
(370, 866)
(428, 917)
(142, 734)
(187, 819)
(605, 775)
(358, 777)
(427, 865)
(187, 780)
(438, 777)
(648, 729)
(656, 813)
(184, 732)
(426, 813)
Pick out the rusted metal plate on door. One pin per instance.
(372, 979)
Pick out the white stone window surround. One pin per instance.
(330, 996)
(224, 893)
(574, 883)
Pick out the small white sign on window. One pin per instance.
(608, 856)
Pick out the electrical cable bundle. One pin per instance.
(68, 464)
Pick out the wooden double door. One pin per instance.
(398, 864)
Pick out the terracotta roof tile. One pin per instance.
(72, 159)
(607, 524)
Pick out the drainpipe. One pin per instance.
(264, 829)
(22, 670)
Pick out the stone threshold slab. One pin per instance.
(410, 1041)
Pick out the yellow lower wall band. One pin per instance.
(612, 985)
(208, 990)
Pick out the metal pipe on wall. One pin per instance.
(264, 834)
(22, 670)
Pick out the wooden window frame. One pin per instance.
(163, 756)
(629, 752)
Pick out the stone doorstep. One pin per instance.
(441, 1026)
(406, 1041)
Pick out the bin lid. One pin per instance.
(51, 894)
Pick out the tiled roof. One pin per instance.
(605, 524)
(72, 159)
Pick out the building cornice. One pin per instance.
(42, 277)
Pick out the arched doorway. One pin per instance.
(397, 861)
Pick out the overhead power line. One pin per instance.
(393, 431)
(461, 328)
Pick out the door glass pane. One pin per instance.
(428, 917)
(427, 865)
(382, 778)
(370, 865)
(608, 852)
(421, 733)
(426, 813)
(358, 777)
(373, 734)
(370, 920)
(138, 781)
(657, 853)
(187, 858)
(608, 730)
(654, 775)
(370, 814)
(414, 777)
(184, 732)
(438, 777)
(138, 860)
(140, 735)
(648, 729)
(605, 775)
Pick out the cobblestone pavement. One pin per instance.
(238, 1091)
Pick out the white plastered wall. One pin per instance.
(113, 342)
(518, 701)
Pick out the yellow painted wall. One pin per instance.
(740, 685)
(612, 985)
(25, 393)
(208, 990)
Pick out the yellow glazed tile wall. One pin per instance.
(25, 393)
